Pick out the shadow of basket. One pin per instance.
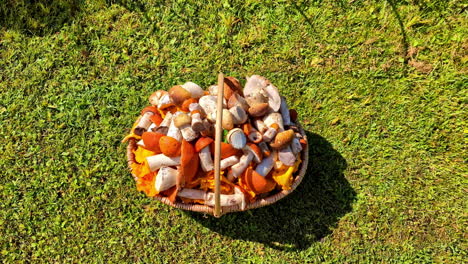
(305, 216)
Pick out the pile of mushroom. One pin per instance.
(175, 135)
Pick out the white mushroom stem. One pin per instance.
(143, 123)
(269, 134)
(208, 103)
(285, 112)
(239, 168)
(152, 126)
(296, 146)
(286, 156)
(260, 125)
(164, 101)
(188, 133)
(174, 132)
(157, 161)
(273, 118)
(239, 116)
(164, 126)
(197, 122)
(165, 179)
(192, 194)
(206, 161)
(229, 161)
(264, 167)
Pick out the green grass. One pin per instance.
(381, 89)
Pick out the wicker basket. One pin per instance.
(236, 208)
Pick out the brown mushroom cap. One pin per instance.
(283, 139)
(179, 94)
(182, 120)
(258, 155)
(258, 109)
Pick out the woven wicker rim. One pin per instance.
(235, 208)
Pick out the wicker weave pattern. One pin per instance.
(228, 209)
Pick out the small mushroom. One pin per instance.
(164, 126)
(173, 130)
(259, 86)
(178, 94)
(258, 110)
(227, 162)
(286, 156)
(183, 122)
(264, 167)
(283, 139)
(252, 133)
(169, 146)
(227, 122)
(160, 160)
(188, 164)
(165, 179)
(156, 96)
(260, 125)
(274, 118)
(239, 116)
(209, 129)
(239, 168)
(209, 104)
(271, 132)
(236, 138)
(231, 86)
(186, 104)
(227, 150)
(151, 141)
(194, 90)
(165, 102)
(237, 100)
(256, 182)
(258, 155)
(203, 147)
(145, 121)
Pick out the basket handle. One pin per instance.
(218, 136)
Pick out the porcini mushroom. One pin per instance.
(165, 102)
(273, 118)
(209, 104)
(183, 122)
(239, 116)
(283, 139)
(237, 100)
(258, 110)
(264, 167)
(259, 86)
(286, 156)
(271, 132)
(236, 138)
(203, 148)
(173, 130)
(156, 96)
(252, 133)
(260, 125)
(157, 161)
(227, 122)
(227, 162)
(178, 94)
(194, 90)
(165, 179)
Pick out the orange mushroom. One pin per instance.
(169, 146)
(203, 149)
(188, 165)
(202, 142)
(186, 104)
(252, 133)
(151, 141)
(256, 182)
